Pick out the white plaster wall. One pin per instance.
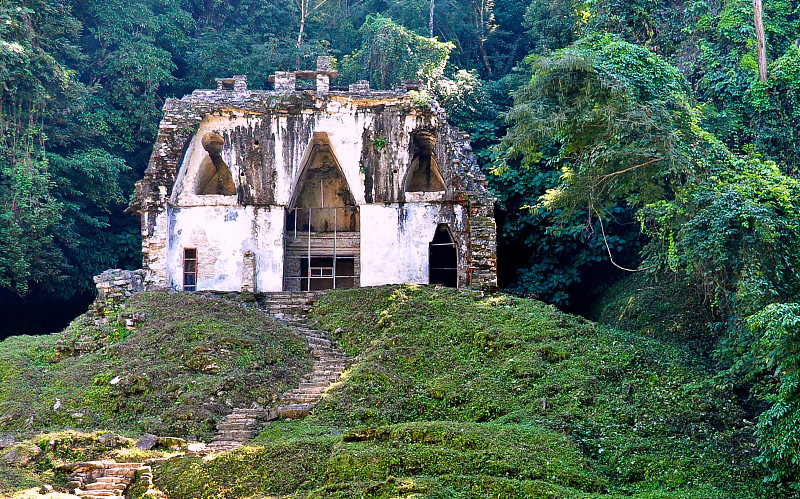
(221, 235)
(268, 234)
(394, 241)
(344, 128)
(394, 238)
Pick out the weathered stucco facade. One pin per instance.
(296, 189)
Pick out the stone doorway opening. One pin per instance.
(322, 240)
(443, 258)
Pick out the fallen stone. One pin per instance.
(21, 454)
(196, 447)
(7, 441)
(112, 440)
(170, 442)
(147, 442)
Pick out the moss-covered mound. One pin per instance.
(187, 361)
(657, 306)
(457, 394)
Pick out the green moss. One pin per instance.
(641, 411)
(455, 394)
(660, 307)
(279, 467)
(176, 373)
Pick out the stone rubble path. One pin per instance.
(242, 425)
(114, 479)
(329, 364)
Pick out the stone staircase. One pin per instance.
(329, 364)
(239, 427)
(107, 479)
(242, 425)
(288, 304)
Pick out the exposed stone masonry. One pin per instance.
(114, 285)
(265, 135)
(106, 479)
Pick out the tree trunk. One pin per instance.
(760, 40)
(303, 14)
(430, 20)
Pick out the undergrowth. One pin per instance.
(187, 364)
(458, 394)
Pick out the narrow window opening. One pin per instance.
(190, 269)
(443, 258)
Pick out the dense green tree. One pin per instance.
(619, 116)
(52, 209)
(390, 54)
(776, 109)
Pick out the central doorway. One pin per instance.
(322, 235)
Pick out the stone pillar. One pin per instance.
(249, 272)
(483, 248)
(323, 83)
(360, 86)
(240, 83)
(323, 63)
(285, 81)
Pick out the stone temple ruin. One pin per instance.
(302, 189)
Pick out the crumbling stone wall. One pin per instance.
(114, 285)
(266, 139)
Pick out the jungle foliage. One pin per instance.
(615, 133)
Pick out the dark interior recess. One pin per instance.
(443, 258)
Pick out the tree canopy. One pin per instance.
(616, 134)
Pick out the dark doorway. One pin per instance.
(443, 259)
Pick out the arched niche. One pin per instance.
(423, 173)
(322, 239)
(213, 174)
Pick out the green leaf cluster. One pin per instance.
(391, 53)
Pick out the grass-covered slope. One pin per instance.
(188, 362)
(456, 394)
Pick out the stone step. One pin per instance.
(313, 386)
(252, 413)
(115, 464)
(120, 472)
(314, 392)
(324, 366)
(236, 426)
(110, 480)
(302, 400)
(294, 411)
(225, 444)
(234, 435)
(327, 374)
(98, 486)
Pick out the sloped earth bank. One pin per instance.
(461, 394)
(164, 363)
